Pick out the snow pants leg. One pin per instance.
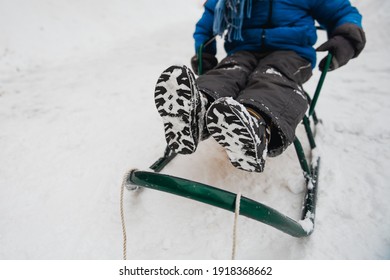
(270, 83)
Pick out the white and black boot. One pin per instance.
(244, 135)
(182, 108)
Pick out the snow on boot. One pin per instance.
(242, 135)
(182, 108)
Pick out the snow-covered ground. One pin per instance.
(76, 112)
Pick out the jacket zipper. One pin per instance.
(269, 21)
(270, 10)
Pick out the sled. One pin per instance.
(310, 165)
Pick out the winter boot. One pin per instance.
(241, 131)
(182, 108)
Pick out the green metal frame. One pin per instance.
(200, 55)
(226, 200)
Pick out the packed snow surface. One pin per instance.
(77, 82)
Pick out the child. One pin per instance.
(252, 101)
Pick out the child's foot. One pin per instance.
(244, 136)
(182, 108)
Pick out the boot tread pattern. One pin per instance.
(235, 130)
(175, 99)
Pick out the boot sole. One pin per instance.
(230, 125)
(176, 98)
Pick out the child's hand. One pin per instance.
(209, 61)
(340, 48)
(346, 42)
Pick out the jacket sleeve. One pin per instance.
(331, 14)
(204, 28)
(340, 18)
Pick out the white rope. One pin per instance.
(130, 187)
(236, 214)
(123, 217)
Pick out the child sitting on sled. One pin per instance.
(252, 101)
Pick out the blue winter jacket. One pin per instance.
(280, 25)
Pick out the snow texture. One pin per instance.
(77, 82)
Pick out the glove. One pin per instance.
(340, 48)
(346, 42)
(209, 61)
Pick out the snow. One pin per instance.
(273, 71)
(307, 223)
(76, 113)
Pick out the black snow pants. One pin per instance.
(270, 83)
